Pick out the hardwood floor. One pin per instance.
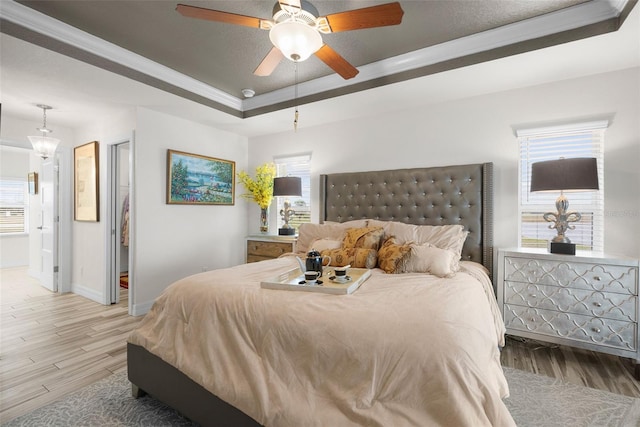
(52, 345)
(573, 365)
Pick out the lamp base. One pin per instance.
(562, 248)
(286, 231)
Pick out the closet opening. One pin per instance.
(119, 275)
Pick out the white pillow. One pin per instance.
(404, 233)
(450, 237)
(430, 259)
(354, 223)
(325, 244)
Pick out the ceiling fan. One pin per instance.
(295, 30)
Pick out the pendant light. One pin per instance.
(44, 145)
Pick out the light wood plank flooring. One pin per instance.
(53, 345)
(573, 365)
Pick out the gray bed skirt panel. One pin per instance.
(167, 384)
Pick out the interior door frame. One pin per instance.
(112, 268)
(49, 222)
(65, 214)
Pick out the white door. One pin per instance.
(49, 226)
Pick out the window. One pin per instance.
(579, 140)
(296, 166)
(14, 206)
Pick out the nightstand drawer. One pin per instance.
(261, 250)
(588, 329)
(570, 300)
(580, 275)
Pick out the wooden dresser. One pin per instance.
(261, 247)
(588, 300)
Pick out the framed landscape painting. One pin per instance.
(193, 179)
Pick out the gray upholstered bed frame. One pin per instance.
(427, 196)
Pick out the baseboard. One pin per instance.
(89, 293)
(33, 273)
(141, 309)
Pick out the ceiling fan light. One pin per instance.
(296, 40)
(44, 146)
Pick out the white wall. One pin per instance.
(173, 241)
(480, 129)
(89, 266)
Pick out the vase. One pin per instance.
(264, 220)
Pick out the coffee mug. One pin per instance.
(311, 276)
(341, 272)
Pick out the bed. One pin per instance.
(417, 348)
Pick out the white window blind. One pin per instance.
(13, 205)
(552, 143)
(299, 166)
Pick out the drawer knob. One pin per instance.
(597, 278)
(596, 330)
(533, 296)
(597, 304)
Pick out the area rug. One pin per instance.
(535, 401)
(124, 280)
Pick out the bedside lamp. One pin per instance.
(578, 174)
(283, 187)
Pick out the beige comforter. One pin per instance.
(403, 350)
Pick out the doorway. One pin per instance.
(120, 269)
(49, 215)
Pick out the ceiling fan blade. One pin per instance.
(218, 16)
(337, 62)
(269, 63)
(369, 17)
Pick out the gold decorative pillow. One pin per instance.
(392, 256)
(364, 237)
(356, 257)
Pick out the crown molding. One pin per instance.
(544, 25)
(43, 24)
(577, 16)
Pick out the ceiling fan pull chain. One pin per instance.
(295, 98)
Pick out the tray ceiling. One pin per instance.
(212, 62)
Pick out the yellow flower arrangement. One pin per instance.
(260, 189)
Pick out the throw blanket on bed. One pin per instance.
(403, 350)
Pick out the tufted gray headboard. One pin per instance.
(460, 194)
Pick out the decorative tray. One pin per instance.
(293, 280)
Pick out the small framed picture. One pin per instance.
(86, 189)
(32, 180)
